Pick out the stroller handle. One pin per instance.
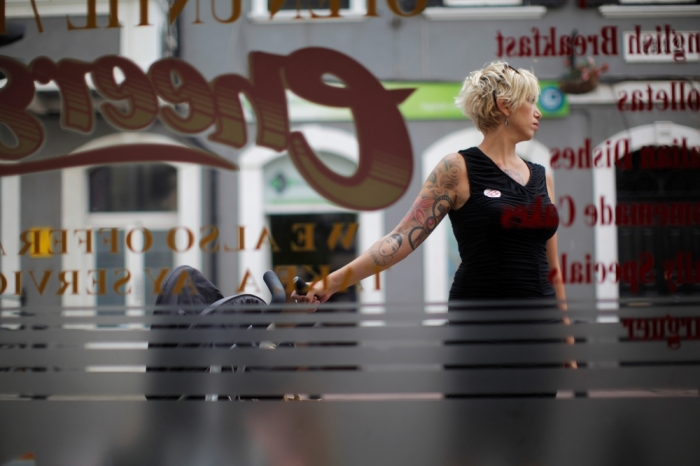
(300, 286)
(275, 285)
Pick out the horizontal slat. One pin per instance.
(477, 381)
(353, 355)
(318, 334)
(335, 318)
(406, 314)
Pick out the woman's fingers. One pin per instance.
(304, 298)
(570, 340)
(315, 294)
(308, 298)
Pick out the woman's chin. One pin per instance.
(527, 136)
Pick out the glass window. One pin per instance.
(410, 5)
(293, 10)
(133, 188)
(318, 252)
(111, 267)
(306, 4)
(159, 256)
(597, 3)
(657, 238)
(284, 185)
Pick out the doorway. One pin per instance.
(312, 242)
(661, 192)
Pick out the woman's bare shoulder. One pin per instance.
(454, 157)
(450, 175)
(451, 163)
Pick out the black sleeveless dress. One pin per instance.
(501, 232)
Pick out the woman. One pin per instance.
(499, 205)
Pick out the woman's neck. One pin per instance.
(499, 147)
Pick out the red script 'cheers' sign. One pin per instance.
(385, 159)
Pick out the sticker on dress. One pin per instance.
(492, 193)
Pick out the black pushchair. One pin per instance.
(186, 291)
(176, 293)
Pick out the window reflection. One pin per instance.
(660, 193)
(133, 188)
(306, 4)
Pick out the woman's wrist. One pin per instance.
(324, 286)
(333, 282)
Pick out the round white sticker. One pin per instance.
(492, 193)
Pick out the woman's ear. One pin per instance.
(502, 107)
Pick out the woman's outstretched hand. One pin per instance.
(307, 293)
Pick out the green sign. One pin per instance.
(430, 101)
(435, 101)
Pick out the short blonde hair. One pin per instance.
(477, 98)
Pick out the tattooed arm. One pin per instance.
(446, 188)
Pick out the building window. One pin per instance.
(113, 283)
(304, 5)
(109, 264)
(409, 5)
(656, 236)
(597, 3)
(130, 197)
(476, 10)
(133, 188)
(293, 251)
(288, 199)
(300, 10)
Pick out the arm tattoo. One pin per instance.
(433, 203)
(430, 207)
(515, 175)
(438, 208)
(382, 253)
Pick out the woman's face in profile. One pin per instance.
(525, 120)
(389, 246)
